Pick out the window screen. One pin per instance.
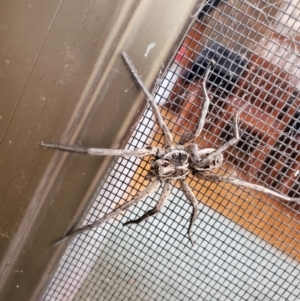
(247, 242)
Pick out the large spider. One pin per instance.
(172, 163)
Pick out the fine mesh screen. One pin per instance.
(247, 243)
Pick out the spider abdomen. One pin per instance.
(215, 162)
(198, 156)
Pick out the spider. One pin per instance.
(173, 162)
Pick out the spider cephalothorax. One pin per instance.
(174, 162)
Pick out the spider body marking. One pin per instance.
(180, 161)
(171, 163)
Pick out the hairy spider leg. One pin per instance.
(142, 152)
(190, 136)
(194, 202)
(231, 142)
(237, 182)
(161, 202)
(153, 186)
(168, 138)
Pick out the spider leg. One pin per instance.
(167, 134)
(194, 202)
(237, 182)
(189, 136)
(231, 142)
(162, 200)
(153, 186)
(148, 151)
